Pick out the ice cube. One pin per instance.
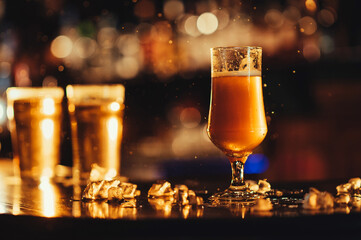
(192, 197)
(91, 190)
(344, 188)
(103, 191)
(129, 190)
(183, 197)
(115, 194)
(252, 185)
(316, 199)
(99, 189)
(355, 182)
(264, 186)
(343, 199)
(161, 189)
(310, 201)
(262, 204)
(325, 200)
(179, 190)
(356, 202)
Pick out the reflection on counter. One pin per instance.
(102, 209)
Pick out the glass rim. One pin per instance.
(237, 47)
(95, 85)
(17, 93)
(77, 92)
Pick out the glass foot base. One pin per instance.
(234, 195)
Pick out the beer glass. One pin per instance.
(96, 118)
(236, 122)
(35, 116)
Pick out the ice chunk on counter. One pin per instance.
(99, 189)
(316, 199)
(355, 183)
(344, 188)
(264, 186)
(180, 195)
(161, 189)
(111, 190)
(343, 199)
(115, 194)
(129, 190)
(252, 185)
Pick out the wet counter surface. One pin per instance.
(49, 211)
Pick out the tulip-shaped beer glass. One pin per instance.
(236, 122)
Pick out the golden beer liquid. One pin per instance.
(236, 122)
(37, 136)
(97, 129)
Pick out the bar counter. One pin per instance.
(48, 212)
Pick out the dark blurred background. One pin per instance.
(160, 51)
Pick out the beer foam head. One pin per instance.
(237, 73)
(17, 93)
(83, 94)
(236, 61)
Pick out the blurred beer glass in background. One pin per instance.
(96, 116)
(35, 116)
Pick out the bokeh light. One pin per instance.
(274, 18)
(326, 18)
(61, 46)
(128, 44)
(207, 23)
(223, 18)
(107, 37)
(172, 9)
(327, 44)
(85, 47)
(190, 117)
(292, 13)
(22, 75)
(311, 51)
(190, 26)
(311, 5)
(127, 67)
(308, 25)
(50, 81)
(256, 164)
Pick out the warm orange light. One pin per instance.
(308, 25)
(207, 23)
(48, 107)
(61, 46)
(311, 5)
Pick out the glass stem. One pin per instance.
(237, 164)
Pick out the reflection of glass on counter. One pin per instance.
(35, 116)
(47, 197)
